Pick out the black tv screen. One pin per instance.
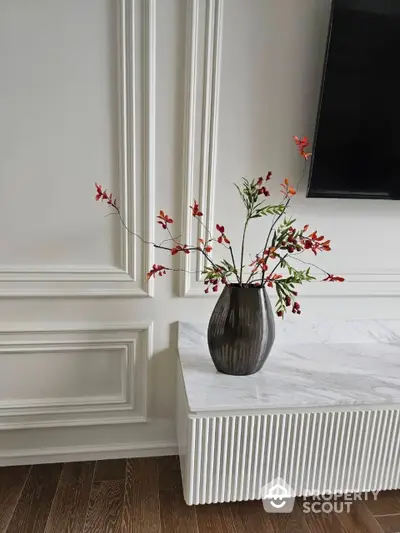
(356, 151)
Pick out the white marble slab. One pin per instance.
(312, 365)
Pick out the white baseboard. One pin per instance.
(86, 453)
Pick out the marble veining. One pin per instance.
(311, 365)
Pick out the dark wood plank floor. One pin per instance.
(145, 496)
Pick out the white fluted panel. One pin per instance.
(230, 458)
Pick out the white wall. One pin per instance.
(126, 93)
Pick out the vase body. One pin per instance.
(241, 330)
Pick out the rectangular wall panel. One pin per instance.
(85, 113)
(76, 376)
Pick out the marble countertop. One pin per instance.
(313, 365)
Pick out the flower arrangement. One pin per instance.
(272, 266)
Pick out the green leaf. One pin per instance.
(268, 210)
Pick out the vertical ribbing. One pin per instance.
(232, 457)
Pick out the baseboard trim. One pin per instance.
(69, 454)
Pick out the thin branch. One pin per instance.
(242, 249)
(309, 264)
(205, 227)
(282, 259)
(159, 246)
(234, 264)
(171, 239)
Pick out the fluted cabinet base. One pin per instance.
(228, 457)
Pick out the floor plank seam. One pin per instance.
(196, 520)
(19, 497)
(90, 493)
(158, 497)
(54, 497)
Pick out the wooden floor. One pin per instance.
(145, 496)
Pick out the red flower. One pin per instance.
(164, 219)
(99, 191)
(207, 247)
(331, 277)
(270, 252)
(296, 308)
(195, 209)
(259, 181)
(214, 283)
(259, 262)
(103, 195)
(315, 243)
(157, 268)
(271, 279)
(268, 176)
(287, 190)
(264, 191)
(180, 248)
(222, 237)
(301, 145)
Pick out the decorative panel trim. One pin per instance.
(203, 65)
(56, 454)
(202, 52)
(76, 281)
(380, 284)
(134, 341)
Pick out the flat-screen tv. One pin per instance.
(356, 152)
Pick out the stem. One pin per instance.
(279, 263)
(175, 239)
(234, 264)
(242, 249)
(205, 227)
(159, 246)
(205, 255)
(274, 222)
(310, 264)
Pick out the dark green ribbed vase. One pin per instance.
(241, 330)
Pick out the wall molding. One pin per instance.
(203, 65)
(134, 342)
(61, 454)
(134, 93)
(357, 285)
